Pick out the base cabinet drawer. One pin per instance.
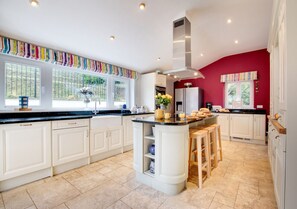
(24, 148)
(70, 145)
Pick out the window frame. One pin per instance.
(46, 74)
(238, 83)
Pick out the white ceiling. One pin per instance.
(84, 27)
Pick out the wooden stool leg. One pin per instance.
(215, 149)
(199, 156)
(190, 157)
(206, 144)
(220, 143)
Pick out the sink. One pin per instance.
(103, 121)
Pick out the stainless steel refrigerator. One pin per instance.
(188, 99)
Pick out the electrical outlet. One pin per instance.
(259, 106)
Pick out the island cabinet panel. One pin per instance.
(24, 148)
(172, 154)
(241, 126)
(138, 147)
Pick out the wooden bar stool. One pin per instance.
(219, 141)
(201, 153)
(213, 156)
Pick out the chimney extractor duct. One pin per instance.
(182, 51)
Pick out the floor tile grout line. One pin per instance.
(31, 198)
(2, 200)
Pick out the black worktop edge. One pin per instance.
(170, 123)
(23, 117)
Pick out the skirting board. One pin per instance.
(24, 179)
(102, 156)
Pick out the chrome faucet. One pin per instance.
(96, 110)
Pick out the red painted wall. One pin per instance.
(250, 61)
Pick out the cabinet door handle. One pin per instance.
(277, 137)
(72, 123)
(28, 124)
(272, 130)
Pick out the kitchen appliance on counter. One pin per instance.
(208, 105)
(188, 99)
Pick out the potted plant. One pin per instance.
(163, 101)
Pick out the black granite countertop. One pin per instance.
(170, 121)
(24, 117)
(244, 111)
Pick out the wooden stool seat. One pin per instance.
(201, 153)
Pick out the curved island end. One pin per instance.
(170, 160)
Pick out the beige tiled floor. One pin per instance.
(242, 180)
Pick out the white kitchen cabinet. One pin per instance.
(223, 120)
(115, 138)
(241, 126)
(106, 134)
(98, 141)
(160, 80)
(128, 130)
(24, 148)
(70, 145)
(259, 127)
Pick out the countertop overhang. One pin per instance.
(171, 121)
(243, 111)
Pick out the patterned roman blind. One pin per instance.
(30, 51)
(246, 76)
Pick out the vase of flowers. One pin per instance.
(86, 92)
(163, 101)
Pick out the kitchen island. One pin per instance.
(170, 161)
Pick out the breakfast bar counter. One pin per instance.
(161, 151)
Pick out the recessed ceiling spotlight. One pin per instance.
(229, 21)
(195, 74)
(175, 76)
(236, 41)
(168, 74)
(34, 3)
(112, 38)
(142, 6)
(158, 59)
(201, 54)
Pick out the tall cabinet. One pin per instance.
(283, 147)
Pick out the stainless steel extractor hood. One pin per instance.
(182, 51)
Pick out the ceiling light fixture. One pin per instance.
(158, 59)
(34, 3)
(236, 41)
(142, 6)
(195, 74)
(112, 38)
(168, 74)
(229, 21)
(201, 54)
(175, 76)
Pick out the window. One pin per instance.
(239, 94)
(21, 80)
(66, 87)
(120, 93)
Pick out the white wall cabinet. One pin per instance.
(70, 145)
(17, 156)
(241, 126)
